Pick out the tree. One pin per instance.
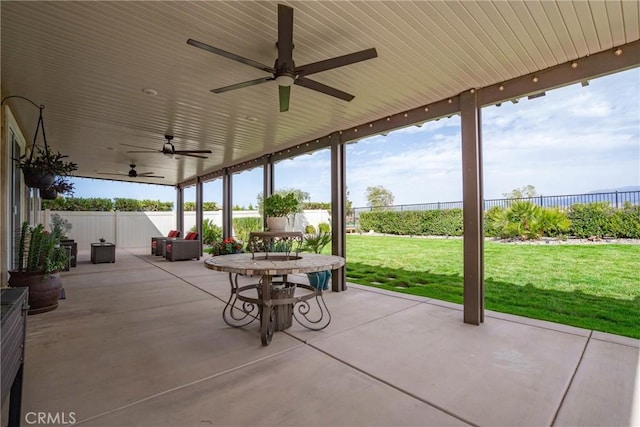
(520, 193)
(379, 196)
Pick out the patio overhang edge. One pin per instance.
(588, 67)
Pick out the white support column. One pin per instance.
(472, 208)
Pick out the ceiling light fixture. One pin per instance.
(285, 80)
(149, 91)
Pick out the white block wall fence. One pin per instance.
(135, 229)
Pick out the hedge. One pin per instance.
(601, 220)
(433, 222)
(105, 205)
(581, 220)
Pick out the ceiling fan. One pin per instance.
(169, 149)
(133, 173)
(284, 71)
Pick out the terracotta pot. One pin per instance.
(277, 223)
(37, 178)
(43, 289)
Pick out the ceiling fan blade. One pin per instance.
(285, 36)
(145, 151)
(108, 173)
(338, 61)
(230, 55)
(241, 85)
(135, 146)
(149, 176)
(285, 95)
(192, 151)
(328, 90)
(191, 155)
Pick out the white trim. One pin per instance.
(11, 127)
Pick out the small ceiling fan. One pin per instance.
(133, 173)
(284, 71)
(170, 150)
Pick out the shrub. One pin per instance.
(553, 222)
(590, 219)
(495, 220)
(447, 222)
(78, 204)
(134, 205)
(206, 206)
(243, 226)
(324, 227)
(433, 222)
(627, 221)
(210, 232)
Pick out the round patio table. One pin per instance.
(242, 308)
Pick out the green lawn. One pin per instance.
(589, 286)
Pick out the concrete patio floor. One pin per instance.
(142, 343)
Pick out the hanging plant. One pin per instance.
(40, 166)
(60, 186)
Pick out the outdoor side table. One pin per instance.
(103, 252)
(243, 307)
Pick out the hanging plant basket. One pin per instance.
(37, 178)
(40, 166)
(48, 193)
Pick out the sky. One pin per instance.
(573, 140)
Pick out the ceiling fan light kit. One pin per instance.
(284, 71)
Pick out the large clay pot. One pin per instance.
(277, 223)
(43, 289)
(37, 178)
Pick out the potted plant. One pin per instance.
(315, 242)
(40, 167)
(278, 207)
(62, 227)
(225, 247)
(40, 259)
(60, 186)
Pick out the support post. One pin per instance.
(338, 210)
(227, 204)
(180, 210)
(472, 208)
(267, 185)
(199, 208)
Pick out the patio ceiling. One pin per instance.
(88, 63)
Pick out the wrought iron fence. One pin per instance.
(616, 199)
